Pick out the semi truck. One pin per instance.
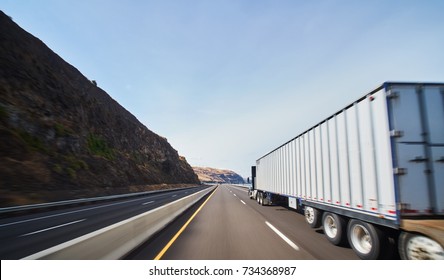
(371, 174)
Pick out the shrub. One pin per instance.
(33, 142)
(58, 169)
(98, 146)
(61, 130)
(75, 163)
(72, 173)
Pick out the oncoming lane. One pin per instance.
(25, 235)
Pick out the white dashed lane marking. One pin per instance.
(281, 235)
(50, 228)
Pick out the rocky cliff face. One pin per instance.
(219, 176)
(58, 130)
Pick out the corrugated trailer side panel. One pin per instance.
(342, 162)
(273, 167)
(286, 169)
(356, 171)
(281, 187)
(354, 159)
(385, 187)
(343, 165)
(326, 168)
(307, 163)
(306, 187)
(319, 165)
(279, 178)
(277, 171)
(334, 162)
(291, 168)
(298, 170)
(367, 156)
(346, 160)
(279, 184)
(284, 172)
(312, 193)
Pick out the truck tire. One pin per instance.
(419, 247)
(313, 217)
(334, 227)
(365, 239)
(262, 199)
(258, 197)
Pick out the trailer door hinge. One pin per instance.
(396, 133)
(399, 171)
(393, 94)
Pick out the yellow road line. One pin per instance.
(160, 255)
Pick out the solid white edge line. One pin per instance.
(281, 235)
(46, 229)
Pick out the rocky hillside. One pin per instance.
(212, 175)
(62, 136)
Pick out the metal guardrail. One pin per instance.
(13, 209)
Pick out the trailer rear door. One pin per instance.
(417, 128)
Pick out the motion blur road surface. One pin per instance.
(24, 235)
(231, 226)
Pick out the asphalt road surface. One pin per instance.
(28, 234)
(230, 226)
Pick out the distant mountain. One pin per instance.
(213, 175)
(61, 135)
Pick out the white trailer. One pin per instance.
(371, 173)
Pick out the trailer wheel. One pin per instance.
(419, 247)
(365, 239)
(258, 197)
(312, 217)
(334, 226)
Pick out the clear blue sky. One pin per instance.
(227, 81)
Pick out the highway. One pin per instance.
(24, 235)
(230, 226)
